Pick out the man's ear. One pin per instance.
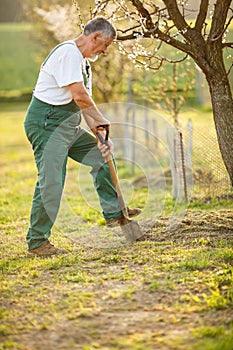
(96, 35)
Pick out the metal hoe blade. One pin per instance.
(132, 231)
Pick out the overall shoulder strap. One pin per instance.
(86, 71)
(55, 48)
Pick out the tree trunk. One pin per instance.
(211, 63)
(222, 104)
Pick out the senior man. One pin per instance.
(61, 96)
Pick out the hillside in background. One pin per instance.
(19, 57)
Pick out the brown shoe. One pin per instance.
(134, 212)
(46, 249)
(119, 220)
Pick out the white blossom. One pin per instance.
(61, 20)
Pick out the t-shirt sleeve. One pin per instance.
(65, 66)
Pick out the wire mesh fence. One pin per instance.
(210, 178)
(189, 164)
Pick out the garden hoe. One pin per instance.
(130, 228)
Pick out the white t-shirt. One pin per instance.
(65, 65)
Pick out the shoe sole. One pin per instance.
(33, 255)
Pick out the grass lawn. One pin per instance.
(172, 291)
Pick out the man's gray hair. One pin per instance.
(100, 24)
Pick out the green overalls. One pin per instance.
(55, 134)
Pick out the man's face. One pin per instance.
(98, 44)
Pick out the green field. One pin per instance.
(172, 292)
(19, 57)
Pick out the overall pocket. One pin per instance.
(34, 133)
(59, 117)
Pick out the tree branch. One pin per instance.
(193, 38)
(221, 34)
(131, 36)
(123, 31)
(228, 44)
(175, 14)
(201, 17)
(159, 35)
(144, 13)
(100, 6)
(229, 70)
(219, 19)
(152, 30)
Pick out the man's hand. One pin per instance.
(106, 150)
(105, 145)
(96, 128)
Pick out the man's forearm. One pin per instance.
(89, 120)
(94, 116)
(87, 105)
